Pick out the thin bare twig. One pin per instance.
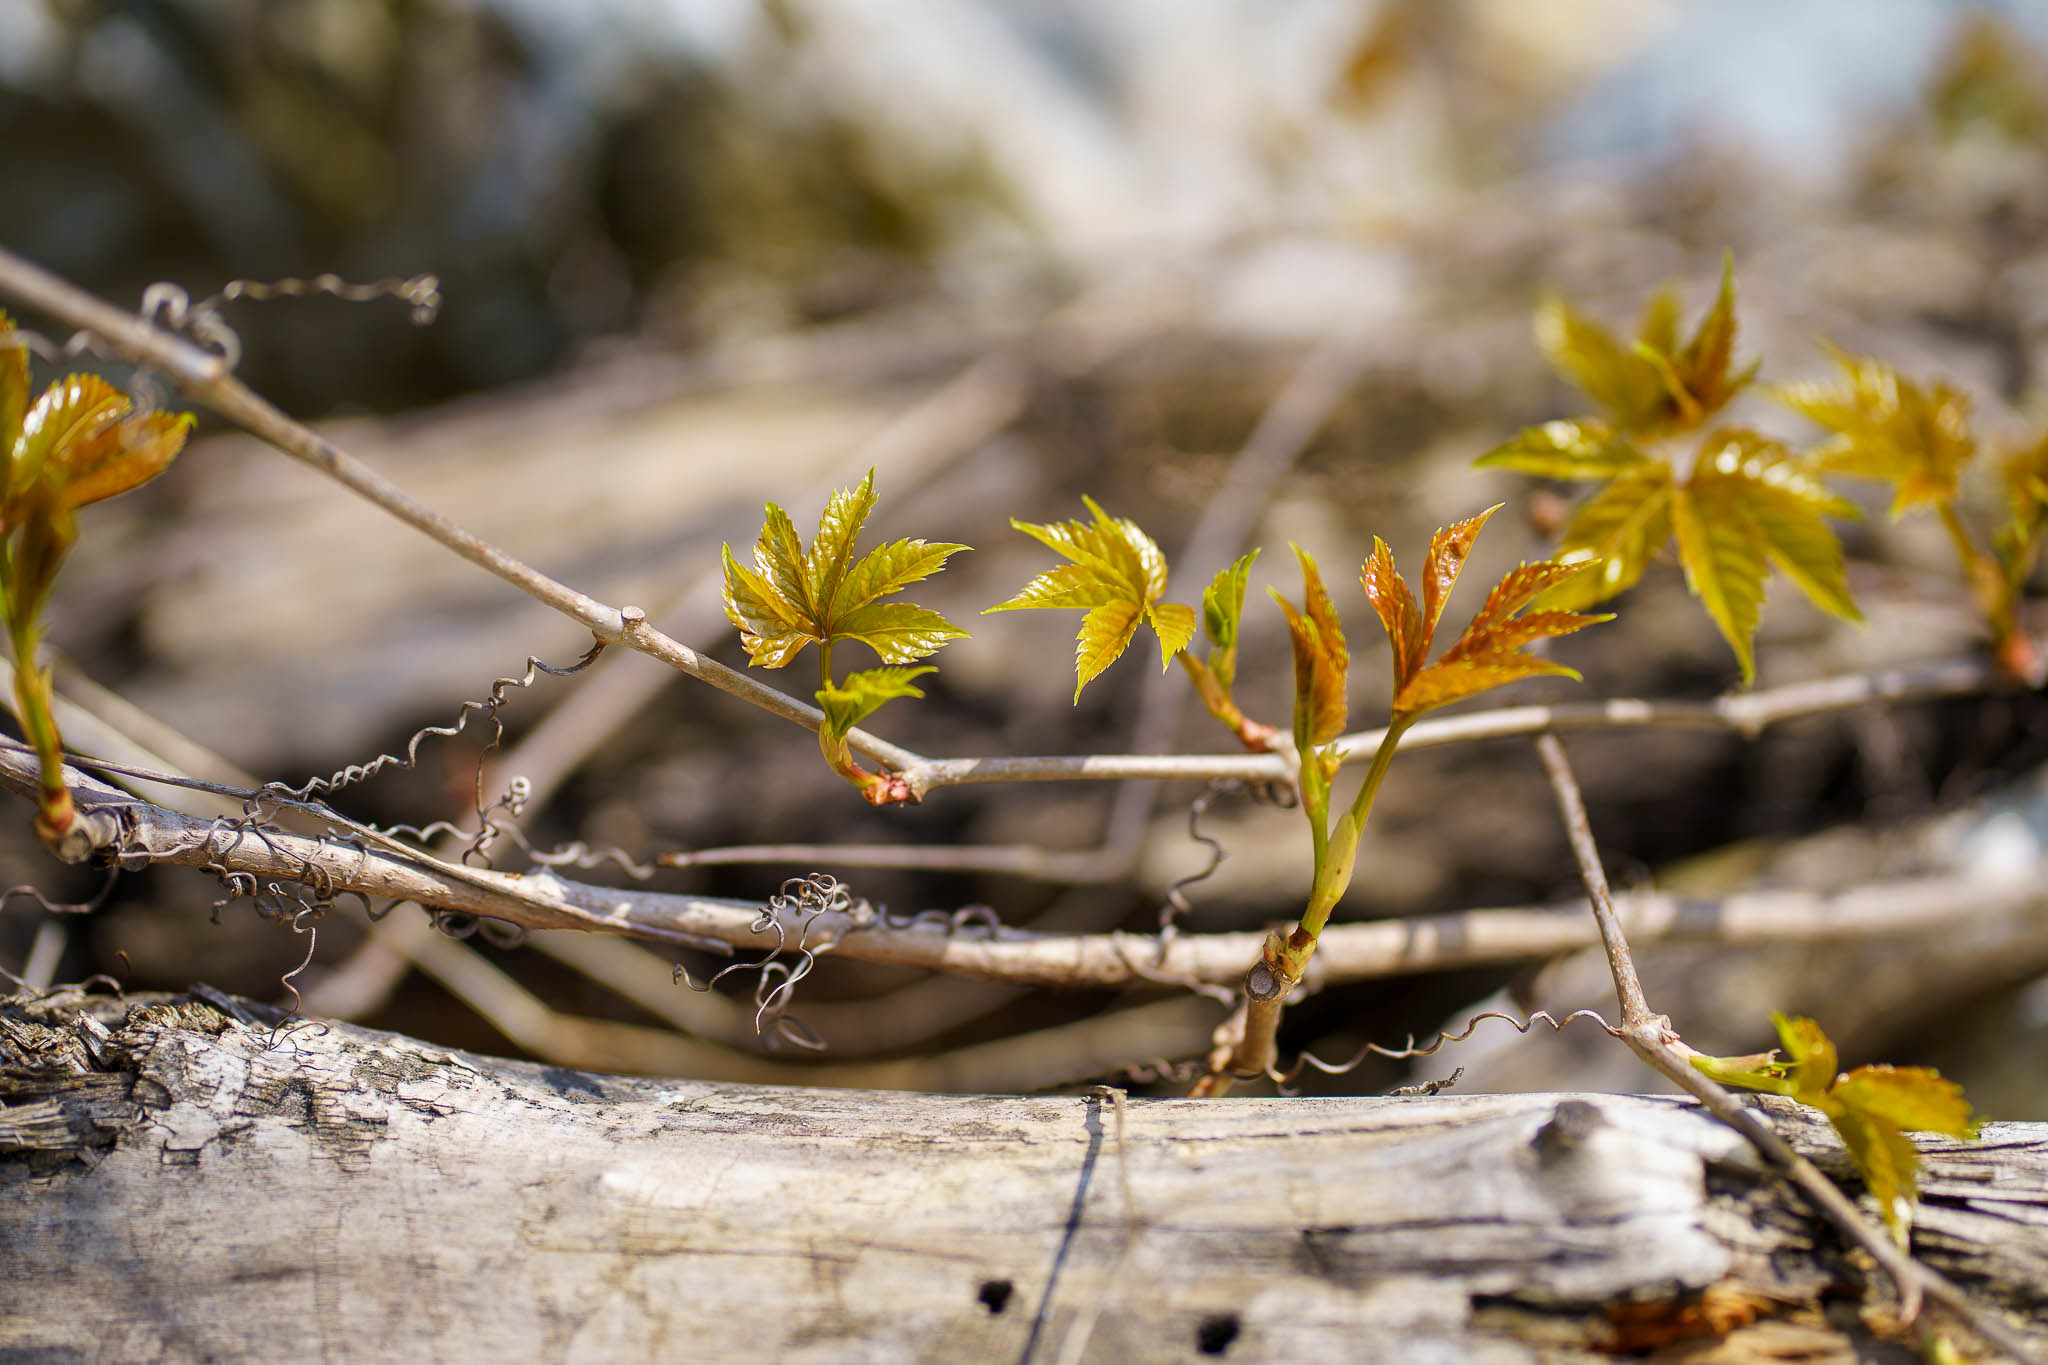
(1651, 1037)
(206, 379)
(1348, 952)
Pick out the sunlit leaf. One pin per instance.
(1488, 654)
(1106, 632)
(1725, 561)
(1567, 450)
(1789, 505)
(1222, 614)
(1174, 624)
(73, 409)
(1321, 659)
(792, 597)
(831, 552)
(119, 457)
(13, 395)
(1448, 549)
(1615, 533)
(1703, 366)
(1917, 1098)
(1116, 574)
(1872, 1108)
(897, 631)
(1609, 372)
(1399, 615)
(1889, 428)
(853, 699)
(1658, 326)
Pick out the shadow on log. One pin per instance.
(187, 1180)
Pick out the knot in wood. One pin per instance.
(1570, 1125)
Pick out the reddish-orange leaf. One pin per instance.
(1388, 592)
(1321, 659)
(1447, 551)
(1517, 589)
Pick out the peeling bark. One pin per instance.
(177, 1183)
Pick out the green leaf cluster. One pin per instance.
(1215, 677)
(1743, 505)
(794, 596)
(1116, 574)
(1871, 1107)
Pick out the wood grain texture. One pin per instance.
(176, 1184)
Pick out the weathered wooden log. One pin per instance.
(177, 1183)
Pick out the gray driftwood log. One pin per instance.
(180, 1184)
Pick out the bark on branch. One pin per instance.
(178, 1184)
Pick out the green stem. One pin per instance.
(34, 700)
(1336, 853)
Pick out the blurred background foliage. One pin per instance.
(698, 253)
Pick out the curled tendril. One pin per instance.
(51, 907)
(168, 306)
(814, 900)
(489, 827)
(1309, 1059)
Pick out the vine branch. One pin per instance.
(1651, 1037)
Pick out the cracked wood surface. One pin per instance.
(176, 1184)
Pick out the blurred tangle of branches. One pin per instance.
(700, 254)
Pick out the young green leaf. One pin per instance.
(1872, 1108)
(792, 597)
(1322, 662)
(1585, 449)
(1116, 574)
(1222, 613)
(1750, 506)
(1615, 533)
(1887, 427)
(856, 697)
(1647, 387)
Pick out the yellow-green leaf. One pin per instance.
(769, 626)
(13, 393)
(1322, 661)
(1871, 1108)
(1567, 450)
(1616, 533)
(1810, 1059)
(897, 631)
(831, 552)
(1106, 632)
(1916, 1098)
(1702, 367)
(69, 411)
(887, 570)
(1174, 624)
(1723, 553)
(793, 596)
(1116, 574)
(1887, 427)
(852, 700)
(1610, 373)
(1222, 614)
(1789, 505)
(1658, 327)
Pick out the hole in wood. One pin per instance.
(1216, 1333)
(995, 1294)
